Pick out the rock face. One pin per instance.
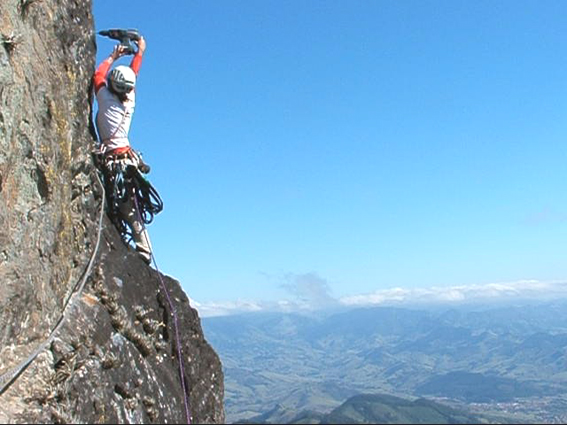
(113, 357)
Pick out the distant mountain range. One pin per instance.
(509, 361)
(374, 409)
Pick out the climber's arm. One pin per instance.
(137, 60)
(102, 70)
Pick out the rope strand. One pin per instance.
(175, 323)
(178, 343)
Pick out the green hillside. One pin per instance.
(384, 409)
(374, 409)
(510, 361)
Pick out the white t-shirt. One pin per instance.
(114, 118)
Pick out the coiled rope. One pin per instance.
(121, 178)
(8, 378)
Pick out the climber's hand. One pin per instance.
(141, 45)
(119, 51)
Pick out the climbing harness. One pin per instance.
(176, 328)
(9, 377)
(123, 180)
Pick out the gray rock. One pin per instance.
(113, 358)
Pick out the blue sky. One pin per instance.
(368, 144)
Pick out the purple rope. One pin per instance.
(175, 325)
(179, 353)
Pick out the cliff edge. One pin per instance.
(100, 321)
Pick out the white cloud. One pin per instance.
(312, 293)
(226, 308)
(458, 294)
(309, 289)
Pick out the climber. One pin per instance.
(115, 93)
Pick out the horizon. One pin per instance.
(492, 295)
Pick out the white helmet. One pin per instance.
(122, 79)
